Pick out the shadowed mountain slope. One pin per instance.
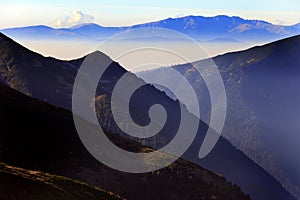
(262, 87)
(52, 80)
(40, 136)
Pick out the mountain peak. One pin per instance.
(78, 26)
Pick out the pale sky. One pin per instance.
(57, 13)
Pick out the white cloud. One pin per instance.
(76, 17)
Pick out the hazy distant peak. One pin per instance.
(84, 25)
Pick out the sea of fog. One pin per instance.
(136, 56)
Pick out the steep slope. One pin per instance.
(263, 104)
(268, 82)
(17, 183)
(19, 67)
(48, 82)
(39, 136)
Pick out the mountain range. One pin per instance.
(262, 87)
(40, 138)
(51, 80)
(218, 28)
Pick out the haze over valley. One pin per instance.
(142, 100)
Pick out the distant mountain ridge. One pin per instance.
(197, 27)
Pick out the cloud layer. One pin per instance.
(76, 17)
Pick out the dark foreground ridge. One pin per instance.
(18, 183)
(39, 136)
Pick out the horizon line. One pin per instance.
(141, 23)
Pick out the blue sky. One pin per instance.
(58, 13)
